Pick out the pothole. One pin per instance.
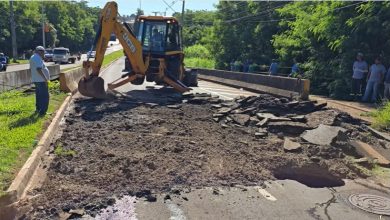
(310, 175)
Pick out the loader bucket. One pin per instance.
(93, 86)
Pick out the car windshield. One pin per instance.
(59, 52)
(49, 51)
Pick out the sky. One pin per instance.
(128, 7)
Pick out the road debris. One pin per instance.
(325, 135)
(149, 145)
(291, 146)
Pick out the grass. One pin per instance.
(107, 60)
(20, 129)
(111, 57)
(382, 117)
(60, 151)
(19, 62)
(199, 63)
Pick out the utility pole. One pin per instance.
(13, 32)
(182, 13)
(43, 27)
(182, 24)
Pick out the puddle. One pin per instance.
(311, 175)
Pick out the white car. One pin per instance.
(91, 54)
(62, 55)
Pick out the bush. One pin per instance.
(54, 87)
(382, 117)
(254, 68)
(197, 51)
(199, 63)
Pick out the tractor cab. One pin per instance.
(158, 34)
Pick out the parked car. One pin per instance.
(62, 55)
(3, 63)
(91, 54)
(48, 55)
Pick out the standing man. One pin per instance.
(273, 68)
(295, 70)
(359, 68)
(40, 77)
(375, 78)
(387, 85)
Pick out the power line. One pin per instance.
(254, 15)
(289, 19)
(170, 6)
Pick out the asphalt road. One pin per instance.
(109, 50)
(281, 199)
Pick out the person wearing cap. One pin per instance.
(359, 68)
(375, 77)
(40, 77)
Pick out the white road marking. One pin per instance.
(266, 194)
(176, 212)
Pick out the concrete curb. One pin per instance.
(18, 186)
(370, 152)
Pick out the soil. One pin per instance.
(142, 146)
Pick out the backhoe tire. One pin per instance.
(173, 67)
(190, 78)
(150, 77)
(138, 81)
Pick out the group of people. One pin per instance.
(273, 69)
(370, 79)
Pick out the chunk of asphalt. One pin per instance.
(289, 127)
(325, 135)
(262, 123)
(299, 118)
(174, 106)
(291, 146)
(265, 115)
(241, 119)
(224, 110)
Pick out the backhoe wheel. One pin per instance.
(138, 81)
(173, 67)
(150, 77)
(190, 77)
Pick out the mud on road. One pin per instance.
(142, 146)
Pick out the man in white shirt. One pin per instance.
(40, 76)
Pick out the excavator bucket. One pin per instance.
(92, 86)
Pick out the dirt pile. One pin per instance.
(143, 147)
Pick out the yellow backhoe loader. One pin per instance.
(153, 51)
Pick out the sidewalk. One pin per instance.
(356, 109)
